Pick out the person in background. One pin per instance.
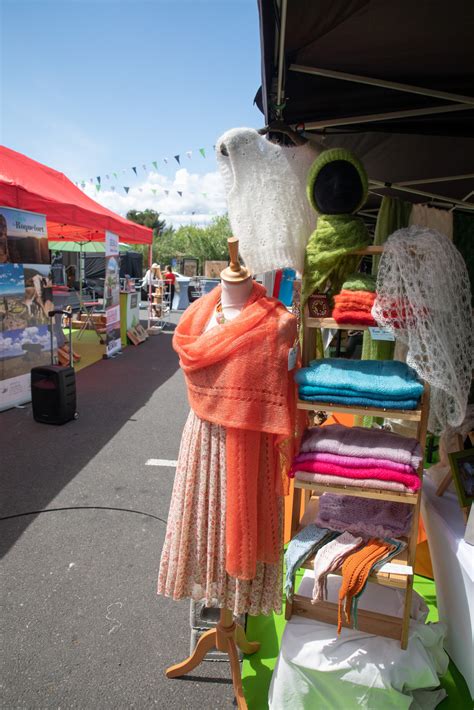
(170, 280)
(153, 276)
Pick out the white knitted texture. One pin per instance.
(423, 297)
(266, 194)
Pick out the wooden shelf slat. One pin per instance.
(413, 415)
(377, 494)
(369, 621)
(331, 323)
(368, 251)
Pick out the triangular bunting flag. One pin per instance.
(155, 164)
(83, 184)
(140, 189)
(203, 152)
(107, 177)
(91, 179)
(126, 189)
(179, 193)
(115, 175)
(153, 191)
(124, 171)
(144, 166)
(134, 170)
(165, 160)
(97, 187)
(189, 153)
(204, 194)
(98, 179)
(112, 187)
(176, 157)
(213, 147)
(167, 192)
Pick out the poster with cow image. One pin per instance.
(112, 294)
(23, 237)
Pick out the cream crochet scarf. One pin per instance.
(424, 298)
(266, 195)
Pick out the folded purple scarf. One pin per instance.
(364, 516)
(378, 473)
(324, 479)
(362, 442)
(354, 461)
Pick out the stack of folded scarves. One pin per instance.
(354, 303)
(358, 456)
(384, 384)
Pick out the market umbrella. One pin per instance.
(83, 248)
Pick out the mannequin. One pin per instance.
(223, 543)
(236, 283)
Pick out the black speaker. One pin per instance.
(53, 394)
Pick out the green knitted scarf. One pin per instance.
(360, 282)
(327, 252)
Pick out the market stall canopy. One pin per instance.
(71, 215)
(392, 81)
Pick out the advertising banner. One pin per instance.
(112, 294)
(23, 237)
(25, 301)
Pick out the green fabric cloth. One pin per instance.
(393, 214)
(328, 156)
(327, 249)
(463, 239)
(360, 282)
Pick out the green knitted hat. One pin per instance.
(348, 175)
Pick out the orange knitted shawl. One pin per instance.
(237, 376)
(355, 571)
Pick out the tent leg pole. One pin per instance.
(150, 261)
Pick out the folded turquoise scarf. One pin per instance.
(359, 401)
(313, 391)
(387, 378)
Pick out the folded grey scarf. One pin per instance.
(302, 546)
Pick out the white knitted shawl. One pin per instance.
(424, 298)
(266, 194)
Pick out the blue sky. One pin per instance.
(92, 87)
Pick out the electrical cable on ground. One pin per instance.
(84, 507)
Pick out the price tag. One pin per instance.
(292, 357)
(381, 334)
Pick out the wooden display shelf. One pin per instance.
(395, 580)
(413, 415)
(331, 323)
(369, 621)
(356, 492)
(368, 251)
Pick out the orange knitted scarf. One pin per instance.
(237, 376)
(355, 570)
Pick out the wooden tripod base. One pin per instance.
(227, 637)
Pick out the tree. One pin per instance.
(148, 218)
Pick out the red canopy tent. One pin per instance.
(28, 185)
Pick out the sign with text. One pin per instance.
(23, 237)
(112, 294)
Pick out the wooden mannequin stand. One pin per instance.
(227, 636)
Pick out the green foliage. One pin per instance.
(203, 243)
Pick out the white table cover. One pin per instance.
(317, 670)
(453, 567)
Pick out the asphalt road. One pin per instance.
(81, 530)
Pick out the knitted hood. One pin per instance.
(337, 183)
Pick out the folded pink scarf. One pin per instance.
(324, 479)
(378, 473)
(354, 461)
(360, 442)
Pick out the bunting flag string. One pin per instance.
(108, 176)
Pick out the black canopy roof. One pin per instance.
(392, 80)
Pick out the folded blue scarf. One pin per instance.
(341, 392)
(387, 378)
(302, 546)
(363, 401)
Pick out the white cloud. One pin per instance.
(202, 195)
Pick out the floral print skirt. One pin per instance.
(193, 557)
